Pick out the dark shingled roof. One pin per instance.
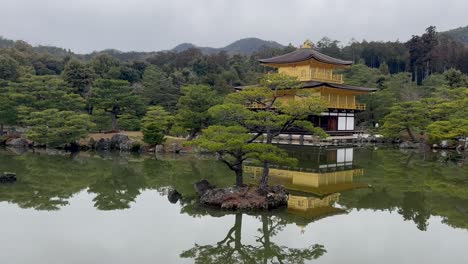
(313, 84)
(304, 54)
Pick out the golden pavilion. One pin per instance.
(319, 75)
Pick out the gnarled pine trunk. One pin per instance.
(239, 176)
(410, 134)
(266, 164)
(115, 125)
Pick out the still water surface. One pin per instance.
(361, 205)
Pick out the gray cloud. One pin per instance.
(148, 25)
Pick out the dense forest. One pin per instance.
(62, 96)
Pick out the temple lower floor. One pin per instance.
(336, 121)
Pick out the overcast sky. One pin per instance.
(149, 25)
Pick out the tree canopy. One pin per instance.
(115, 97)
(54, 128)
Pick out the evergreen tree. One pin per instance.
(158, 88)
(193, 108)
(79, 76)
(55, 128)
(9, 67)
(156, 124)
(115, 97)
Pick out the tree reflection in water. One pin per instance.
(413, 184)
(231, 249)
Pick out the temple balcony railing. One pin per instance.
(326, 76)
(360, 106)
(321, 75)
(343, 105)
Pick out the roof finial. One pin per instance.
(307, 44)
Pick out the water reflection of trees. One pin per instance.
(47, 182)
(413, 208)
(117, 189)
(232, 249)
(414, 185)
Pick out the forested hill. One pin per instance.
(246, 46)
(54, 51)
(460, 34)
(115, 90)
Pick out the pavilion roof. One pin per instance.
(304, 54)
(314, 84)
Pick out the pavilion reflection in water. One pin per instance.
(314, 190)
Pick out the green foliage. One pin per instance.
(156, 124)
(193, 107)
(438, 117)
(279, 81)
(153, 133)
(9, 67)
(158, 88)
(361, 75)
(232, 143)
(40, 78)
(456, 78)
(461, 34)
(329, 47)
(102, 63)
(79, 76)
(225, 140)
(102, 120)
(42, 92)
(440, 130)
(435, 81)
(115, 97)
(407, 116)
(55, 128)
(178, 131)
(276, 116)
(233, 146)
(235, 138)
(8, 112)
(421, 53)
(129, 122)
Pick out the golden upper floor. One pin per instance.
(307, 64)
(311, 72)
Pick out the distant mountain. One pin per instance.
(121, 55)
(460, 34)
(55, 51)
(186, 46)
(244, 46)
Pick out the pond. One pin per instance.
(354, 205)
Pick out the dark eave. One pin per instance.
(314, 84)
(304, 54)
